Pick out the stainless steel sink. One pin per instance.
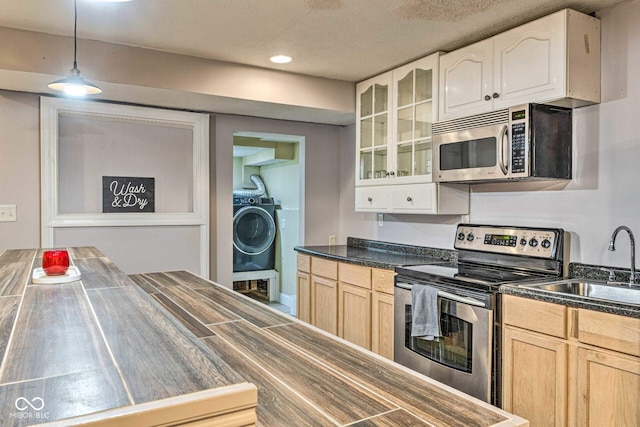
(593, 289)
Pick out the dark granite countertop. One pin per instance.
(576, 301)
(584, 273)
(580, 272)
(376, 254)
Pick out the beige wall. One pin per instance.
(283, 183)
(321, 196)
(150, 77)
(20, 168)
(20, 180)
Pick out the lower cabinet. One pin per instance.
(570, 367)
(535, 377)
(348, 300)
(382, 325)
(608, 389)
(303, 305)
(354, 315)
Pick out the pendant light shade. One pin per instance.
(74, 84)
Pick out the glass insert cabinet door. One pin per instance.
(415, 89)
(374, 128)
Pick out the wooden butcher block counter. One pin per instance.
(111, 348)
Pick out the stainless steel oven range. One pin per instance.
(467, 354)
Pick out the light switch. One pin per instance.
(8, 213)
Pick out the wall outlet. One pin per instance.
(332, 240)
(8, 213)
(380, 220)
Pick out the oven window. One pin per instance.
(475, 153)
(453, 349)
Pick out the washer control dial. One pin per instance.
(533, 242)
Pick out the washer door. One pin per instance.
(253, 230)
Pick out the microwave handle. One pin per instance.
(504, 166)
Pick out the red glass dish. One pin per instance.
(55, 262)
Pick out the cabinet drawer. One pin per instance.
(374, 199)
(324, 267)
(355, 275)
(538, 316)
(304, 263)
(416, 198)
(382, 280)
(611, 331)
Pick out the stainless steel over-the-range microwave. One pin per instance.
(525, 142)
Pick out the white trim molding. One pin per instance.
(51, 109)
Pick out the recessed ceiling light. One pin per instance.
(280, 59)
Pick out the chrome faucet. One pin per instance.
(612, 247)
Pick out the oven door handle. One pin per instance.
(449, 296)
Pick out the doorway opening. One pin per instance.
(268, 200)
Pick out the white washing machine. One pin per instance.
(254, 233)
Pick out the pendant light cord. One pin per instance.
(75, 33)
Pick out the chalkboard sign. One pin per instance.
(127, 194)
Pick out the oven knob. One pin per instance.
(545, 244)
(533, 242)
(460, 236)
(523, 242)
(470, 237)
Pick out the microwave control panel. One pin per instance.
(518, 126)
(535, 242)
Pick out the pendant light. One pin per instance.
(74, 84)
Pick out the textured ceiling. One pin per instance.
(338, 39)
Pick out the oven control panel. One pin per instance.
(536, 242)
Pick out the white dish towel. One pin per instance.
(425, 321)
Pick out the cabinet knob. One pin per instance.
(487, 98)
(392, 173)
(369, 199)
(409, 199)
(496, 95)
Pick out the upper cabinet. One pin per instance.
(373, 131)
(395, 111)
(555, 60)
(395, 114)
(415, 88)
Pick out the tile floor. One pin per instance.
(280, 307)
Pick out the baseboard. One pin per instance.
(289, 301)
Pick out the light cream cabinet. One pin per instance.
(303, 288)
(535, 371)
(415, 87)
(324, 294)
(608, 389)
(382, 312)
(428, 198)
(555, 59)
(373, 131)
(570, 367)
(351, 301)
(396, 111)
